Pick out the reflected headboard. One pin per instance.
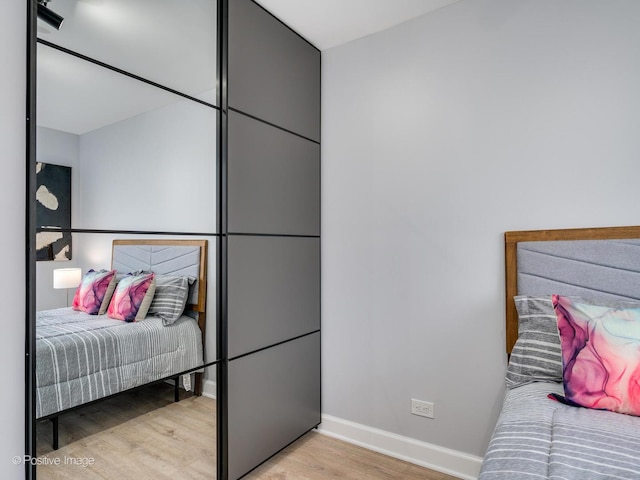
(168, 257)
(598, 263)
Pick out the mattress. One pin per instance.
(81, 357)
(537, 437)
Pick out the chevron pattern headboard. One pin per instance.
(179, 257)
(597, 263)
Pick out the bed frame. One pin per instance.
(568, 237)
(197, 302)
(535, 436)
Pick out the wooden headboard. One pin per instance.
(168, 261)
(511, 261)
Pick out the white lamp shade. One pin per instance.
(67, 277)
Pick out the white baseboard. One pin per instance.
(434, 457)
(209, 389)
(428, 455)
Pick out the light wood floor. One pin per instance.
(318, 457)
(144, 435)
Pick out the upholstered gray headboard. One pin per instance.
(170, 257)
(597, 263)
(599, 269)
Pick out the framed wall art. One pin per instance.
(53, 211)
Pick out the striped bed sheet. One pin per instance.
(536, 437)
(81, 357)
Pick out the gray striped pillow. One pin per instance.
(536, 356)
(170, 298)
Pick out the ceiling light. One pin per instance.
(49, 16)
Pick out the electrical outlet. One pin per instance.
(424, 409)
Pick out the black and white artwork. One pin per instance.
(53, 211)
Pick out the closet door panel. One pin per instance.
(274, 397)
(274, 291)
(274, 74)
(274, 180)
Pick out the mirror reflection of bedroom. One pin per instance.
(125, 294)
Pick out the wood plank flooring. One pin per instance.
(142, 435)
(319, 457)
(145, 435)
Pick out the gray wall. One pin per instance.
(439, 135)
(12, 197)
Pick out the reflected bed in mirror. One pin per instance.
(94, 251)
(106, 343)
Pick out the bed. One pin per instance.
(544, 429)
(82, 358)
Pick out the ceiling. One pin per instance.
(329, 23)
(158, 40)
(165, 42)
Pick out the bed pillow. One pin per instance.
(171, 297)
(108, 294)
(132, 297)
(94, 292)
(536, 355)
(600, 355)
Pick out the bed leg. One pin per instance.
(197, 388)
(54, 421)
(176, 389)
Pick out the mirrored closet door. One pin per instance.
(125, 181)
(174, 276)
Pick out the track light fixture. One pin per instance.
(49, 16)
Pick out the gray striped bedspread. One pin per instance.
(536, 437)
(81, 357)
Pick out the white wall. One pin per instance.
(438, 136)
(154, 171)
(12, 241)
(57, 148)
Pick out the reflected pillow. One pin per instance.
(170, 298)
(600, 355)
(94, 292)
(132, 297)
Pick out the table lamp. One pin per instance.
(67, 278)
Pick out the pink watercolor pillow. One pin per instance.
(132, 297)
(94, 291)
(600, 355)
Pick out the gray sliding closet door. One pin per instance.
(274, 285)
(273, 73)
(273, 237)
(274, 180)
(274, 397)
